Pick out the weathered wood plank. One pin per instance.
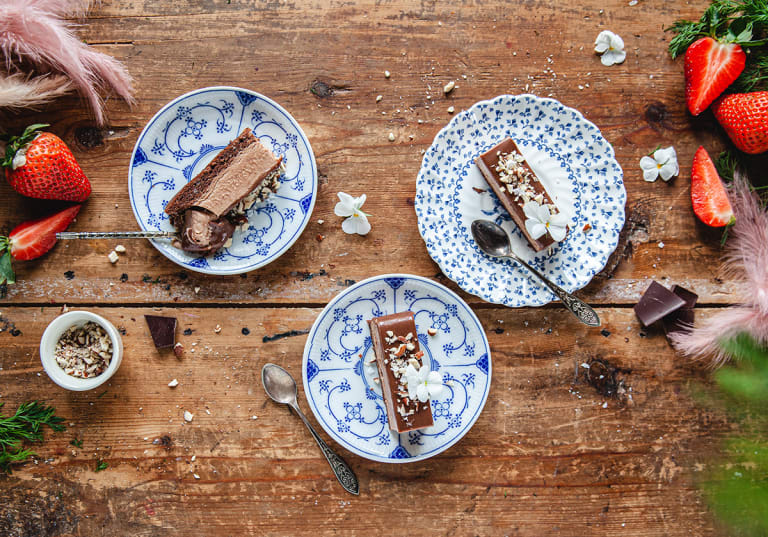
(544, 458)
(282, 49)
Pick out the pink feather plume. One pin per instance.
(35, 31)
(746, 259)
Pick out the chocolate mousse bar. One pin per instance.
(515, 184)
(396, 346)
(207, 210)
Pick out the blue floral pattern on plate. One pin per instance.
(185, 135)
(575, 164)
(339, 384)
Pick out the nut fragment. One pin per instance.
(217, 329)
(387, 74)
(379, 98)
(188, 416)
(391, 136)
(112, 257)
(178, 350)
(173, 383)
(120, 249)
(451, 109)
(448, 88)
(431, 331)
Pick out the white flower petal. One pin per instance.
(411, 371)
(535, 229)
(350, 225)
(611, 57)
(413, 385)
(616, 41)
(558, 232)
(434, 390)
(603, 41)
(651, 175)
(422, 393)
(648, 163)
(669, 170)
(362, 223)
(358, 202)
(434, 378)
(664, 155)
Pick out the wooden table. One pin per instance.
(550, 455)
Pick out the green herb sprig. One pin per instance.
(744, 22)
(24, 426)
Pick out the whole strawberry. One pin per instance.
(32, 239)
(744, 116)
(40, 165)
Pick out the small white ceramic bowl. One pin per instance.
(51, 337)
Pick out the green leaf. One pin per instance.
(6, 270)
(101, 466)
(77, 443)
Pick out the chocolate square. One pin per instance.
(656, 302)
(162, 330)
(682, 319)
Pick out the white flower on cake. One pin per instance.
(662, 163)
(423, 384)
(611, 46)
(540, 221)
(357, 220)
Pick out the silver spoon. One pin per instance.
(494, 241)
(281, 387)
(70, 235)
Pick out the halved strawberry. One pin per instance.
(710, 67)
(32, 239)
(708, 194)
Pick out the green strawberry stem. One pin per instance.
(16, 143)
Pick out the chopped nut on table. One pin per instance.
(84, 351)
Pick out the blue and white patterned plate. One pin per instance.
(574, 162)
(183, 138)
(340, 388)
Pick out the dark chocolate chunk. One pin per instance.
(682, 319)
(163, 330)
(656, 302)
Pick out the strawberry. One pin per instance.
(40, 165)
(710, 200)
(744, 116)
(32, 239)
(710, 67)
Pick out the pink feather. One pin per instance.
(34, 31)
(746, 259)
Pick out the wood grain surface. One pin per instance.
(550, 455)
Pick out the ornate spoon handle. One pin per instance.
(115, 235)
(343, 472)
(579, 308)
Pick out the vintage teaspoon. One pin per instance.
(281, 387)
(68, 235)
(494, 241)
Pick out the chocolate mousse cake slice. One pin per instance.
(396, 346)
(516, 185)
(207, 210)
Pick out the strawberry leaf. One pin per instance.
(6, 270)
(15, 143)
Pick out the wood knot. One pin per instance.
(321, 89)
(89, 137)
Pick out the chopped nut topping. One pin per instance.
(431, 331)
(84, 351)
(112, 257)
(448, 88)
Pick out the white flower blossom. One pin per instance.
(423, 383)
(540, 221)
(611, 47)
(662, 163)
(357, 220)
